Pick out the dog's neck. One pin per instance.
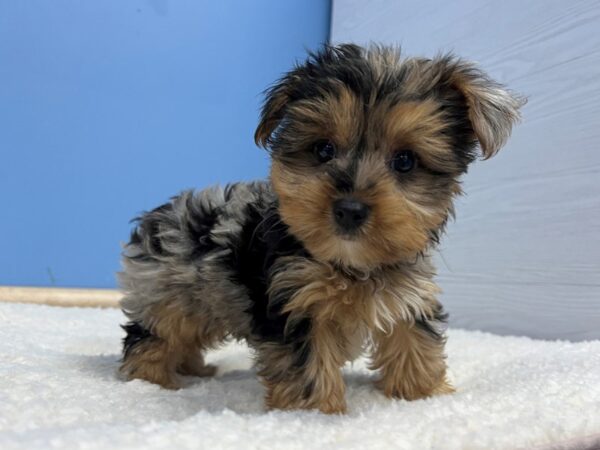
(358, 274)
(273, 229)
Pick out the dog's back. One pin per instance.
(180, 262)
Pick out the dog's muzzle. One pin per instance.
(350, 214)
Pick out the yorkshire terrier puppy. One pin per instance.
(331, 255)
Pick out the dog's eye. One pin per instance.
(324, 151)
(404, 161)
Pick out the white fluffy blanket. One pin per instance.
(59, 389)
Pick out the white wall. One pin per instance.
(523, 256)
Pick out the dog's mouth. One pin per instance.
(348, 236)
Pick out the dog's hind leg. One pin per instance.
(170, 343)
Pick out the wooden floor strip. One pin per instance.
(91, 298)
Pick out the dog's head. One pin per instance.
(368, 148)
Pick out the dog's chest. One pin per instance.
(355, 303)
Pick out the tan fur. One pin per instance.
(402, 214)
(376, 299)
(153, 361)
(492, 109)
(336, 117)
(411, 362)
(417, 126)
(345, 308)
(319, 384)
(397, 228)
(366, 284)
(175, 349)
(275, 112)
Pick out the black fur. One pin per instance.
(136, 333)
(435, 326)
(264, 239)
(250, 260)
(222, 256)
(325, 70)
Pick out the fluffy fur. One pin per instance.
(268, 262)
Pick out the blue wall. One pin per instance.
(108, 108)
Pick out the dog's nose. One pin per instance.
(350, 214)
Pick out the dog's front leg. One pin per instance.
(305, 374)
(411, 361)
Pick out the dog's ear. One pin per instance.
(492, 109)
(294, 86)
(277, 98)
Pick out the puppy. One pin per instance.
(331, 256)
